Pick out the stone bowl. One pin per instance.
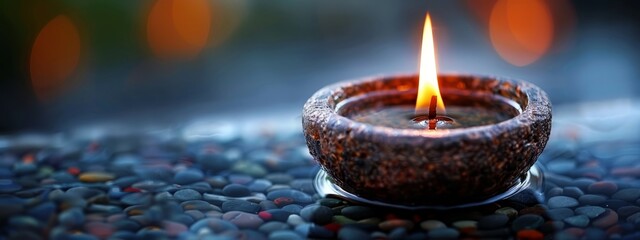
(421, 167)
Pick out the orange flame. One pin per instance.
(428, 83)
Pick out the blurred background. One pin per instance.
(70, 63)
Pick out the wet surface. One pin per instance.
(186, 183)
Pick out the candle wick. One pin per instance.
(432, 107)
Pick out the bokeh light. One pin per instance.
(521, 31)
(54, 57)
(178, 29)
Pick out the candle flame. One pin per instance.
(428, 78)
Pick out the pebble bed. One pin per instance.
(142, 186)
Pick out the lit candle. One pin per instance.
(464, 108)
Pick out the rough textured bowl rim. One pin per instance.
(526, 116)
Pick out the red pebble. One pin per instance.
(391, 216)
(265, 215)
(73, 170)
(530, 234)
(132, 190)
(334, 227)
(282, 201)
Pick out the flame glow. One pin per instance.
(428, 83)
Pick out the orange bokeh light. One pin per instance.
(178, 28)
(54, 56)
(521, 31)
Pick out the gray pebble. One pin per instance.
(626, 211)
(592, 199)
(590, 211)
(560, 213)
(213, 224)
(443, 233)
(187, 194)
(259, 185)
(285, 235)
(136, 199)
(188, 176)
(269, 227)
(562, 202)
(292, 208)
(236, 190)
(358, 212)
(629, 194)
(243, 219)
(573, 192)
(71, 217)
(297, 196)
(240, 205)
(317, 214)
(349, 233)
(577, 221)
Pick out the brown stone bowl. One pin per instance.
(421, 167)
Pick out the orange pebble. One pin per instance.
(530, 234)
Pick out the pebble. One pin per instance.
(295, 195)
(465, 226)
(92, 177)
(240, 205)
(285, 235)
(213, 224)
(275, 215)
(573, 192)
(8, 186)
(560, 213)
(590, 211)
(330, 202)
(259, 185)
(577, 221)
(71, 218)
(395, 223)
(199, 205)
(443, 233)
(249, 168)
(273, 226)
(317, 214)
(348, 233)
(607, 219)
(509, 211)
(562, 202)
(433, 224)
(292, 208)
(626, 211)
(527, 221)
(214, 162)
(530, 234)
(136, 199)
(489, 222)
(295, 220)
(358, 212)
(100, 229)
(243, 219)
(590, 199)
(188, 176)
(603, 187)
(187, 194)
(236, 190)
(629, 194)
